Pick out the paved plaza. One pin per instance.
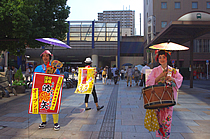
(121, 118)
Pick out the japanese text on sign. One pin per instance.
(35, 102)
(55, 96)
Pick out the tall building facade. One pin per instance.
(158, 14)
(126, 18)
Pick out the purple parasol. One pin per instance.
(53, 41)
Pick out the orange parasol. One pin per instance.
(169, 46)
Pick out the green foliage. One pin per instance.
(19, 75)
(19, 79)
(19, 83)
(22, 21)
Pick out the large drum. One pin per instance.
(158, 96)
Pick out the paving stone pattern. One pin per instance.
(121, 118)
(108, 124)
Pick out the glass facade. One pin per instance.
(84, 31)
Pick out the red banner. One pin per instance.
(46, 93)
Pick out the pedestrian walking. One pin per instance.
(104, 75)
(14, 70)
(46, 57)
(73, 73)
(66, 75)
(129, 75)
(28, 74)
(122, 72)
(9, 75)
(109, 75)
(143, 72)
(31, 72)
(88, 63)
(136, 75)
(115, 72)
(159, 75)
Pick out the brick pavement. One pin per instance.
(191, 117)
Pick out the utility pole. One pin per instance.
(140, 24)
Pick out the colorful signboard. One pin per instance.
(86, 80)
(46, 93)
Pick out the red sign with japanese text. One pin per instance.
(46, 93)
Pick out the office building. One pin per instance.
(181, 21)
(126, 18)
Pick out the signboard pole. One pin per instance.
(207, 72)
(207, 64)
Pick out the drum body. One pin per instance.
(158, 96)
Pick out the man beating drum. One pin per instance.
(164, 74)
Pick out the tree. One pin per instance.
(50, 21)
(14, 22)
(22, 21)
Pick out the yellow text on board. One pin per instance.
(47, 79)
(56, 93)
(35, 101)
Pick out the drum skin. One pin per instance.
(158, 96)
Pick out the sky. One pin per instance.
(88, 10)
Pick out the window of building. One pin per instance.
(197, 46)
(177, 5)
(149, 37)
(163, 24)
(194, 5)
(163, 5)
(206, 45)
(149, 29)
(208, 5)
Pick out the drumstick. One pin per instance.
(166, 74)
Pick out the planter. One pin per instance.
(20, 89)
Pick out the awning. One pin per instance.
(181, 32)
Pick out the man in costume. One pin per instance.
(46, 57)
(88, 62)
(164, 74)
